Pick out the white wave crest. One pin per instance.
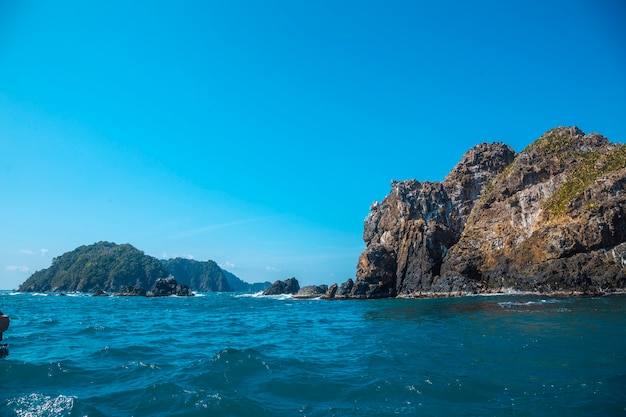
(34, 405)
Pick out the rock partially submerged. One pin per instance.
(132, 291)
(165, 287)
(312, 291)
(288, 286)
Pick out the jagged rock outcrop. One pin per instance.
(312, 291)
(165, 287)
(548, 219)
(288, 286)
(410, 232)
(339, 292)
(553, 221)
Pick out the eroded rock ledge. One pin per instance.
(548, 220)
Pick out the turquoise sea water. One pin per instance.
(239, 355)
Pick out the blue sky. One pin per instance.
(258, 133)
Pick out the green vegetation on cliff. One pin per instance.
(200, 276)
(207, 276)
(592, 166)
(555, 141)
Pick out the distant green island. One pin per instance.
(110, 267)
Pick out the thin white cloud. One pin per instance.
(209, 228)
(272, 269)
(20, 268)
(229, 265)
(188, 256)
(42, 251)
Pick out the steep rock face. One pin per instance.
(553, 221)
(549, 219)
(410, 232)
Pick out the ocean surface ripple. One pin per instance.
(240, 355)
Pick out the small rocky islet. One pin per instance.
(548, 220)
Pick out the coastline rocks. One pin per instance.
(165, 287)
(312, 291)
(551, 219)
(345, 289)
(339, 292)
(132, 291)
(288, 286)
(332, 291)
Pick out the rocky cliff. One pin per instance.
(550, 218)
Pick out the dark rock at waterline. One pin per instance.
(343, 291)
(131, 291)
(165, 287)
(312, 291)
(345, 288)
(332, 291)
(100, 293)
(288, 286)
